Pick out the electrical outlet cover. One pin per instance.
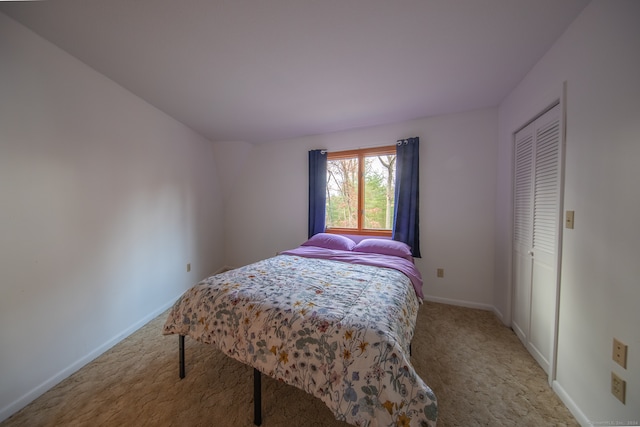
(618, 387)
(620, 353)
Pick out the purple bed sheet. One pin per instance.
(377, 260)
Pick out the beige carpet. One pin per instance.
(477, 368)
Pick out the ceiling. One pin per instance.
(266, 70)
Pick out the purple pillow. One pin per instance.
(330, 241)
(384, 247)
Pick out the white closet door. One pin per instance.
(545, 236)
(523, 232)
(536, 229)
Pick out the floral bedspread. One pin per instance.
(339, 331)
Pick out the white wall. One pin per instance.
(104, 199)
(599, 58)
(266, 210)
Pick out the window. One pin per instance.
(361, 191)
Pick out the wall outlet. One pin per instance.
(188, 267)
(620, 353)
(618, 386)
(440, 272)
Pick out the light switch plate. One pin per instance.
(569, 219)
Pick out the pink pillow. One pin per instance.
(330, 241)
(384, 247)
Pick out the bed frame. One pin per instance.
(257, 384)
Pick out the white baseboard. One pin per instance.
(462, 303)
(571, 405)
(39, 390)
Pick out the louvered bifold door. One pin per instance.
(546, 217)
(537, 162)
(522, 232)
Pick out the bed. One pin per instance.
(331, 318)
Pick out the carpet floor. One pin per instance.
(477, 367)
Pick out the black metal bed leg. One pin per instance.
(257, 397)
(181, 351)
(257, 384)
